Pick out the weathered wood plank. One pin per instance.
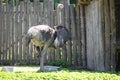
(5, 36)
(102, 35)
(12, 34)
(0, 29)
(83, 35)
(94, 38)
(40, 13)
(113, 33)
(50, 23)
(16, 31)
(45, 11)
(8, 31)
(67, 24)
(3, 24)
(10, 40)
(107, 35)
(89, 30)
(64, 50)
(74, 36)
(25, 28)
(20, 37)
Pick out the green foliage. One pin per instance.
(73, 1)
(59, 75)
(61, 63)
(56, 1)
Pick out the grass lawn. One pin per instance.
(31, 73)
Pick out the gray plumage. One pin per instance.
(44, 37)
(40, 34)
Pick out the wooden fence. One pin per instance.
(92, 26)
(15, 19)
(101, 35)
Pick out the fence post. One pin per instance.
(0, 29)
(102, 35)
(83, 34)
(74, 36)
(67, 24)
(113, 33)
(79, 35)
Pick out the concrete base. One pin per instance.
(8, 68)
(51, 68)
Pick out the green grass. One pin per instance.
(31, 73)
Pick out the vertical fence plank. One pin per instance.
(16, 30)
(96, 35)
(32, 21)
(19, 32)
(12, 29)
(5, 27)
(83, 35)
(0, 29)
(40, 12)
(50, 23)
(102, 35)
(8, 30)
(10, 41)
(53, 19)
(25, 28)
(107, 35)
(45, 12)
(79, 36)
(89, 39)
(1, 33)
(73, 27)
(64, 50)
(28, 8)
(67, 24)
(113, 33)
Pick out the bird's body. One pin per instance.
(40, 34)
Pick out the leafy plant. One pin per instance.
(60, 63)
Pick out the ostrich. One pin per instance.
(44, 37)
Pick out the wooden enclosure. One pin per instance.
(91, 22)
(117, 17)
(17, 17)
(101, 35)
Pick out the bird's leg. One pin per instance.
(38, 51)
(43, 53)
(42, 58)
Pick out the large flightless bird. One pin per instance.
(44, 37)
